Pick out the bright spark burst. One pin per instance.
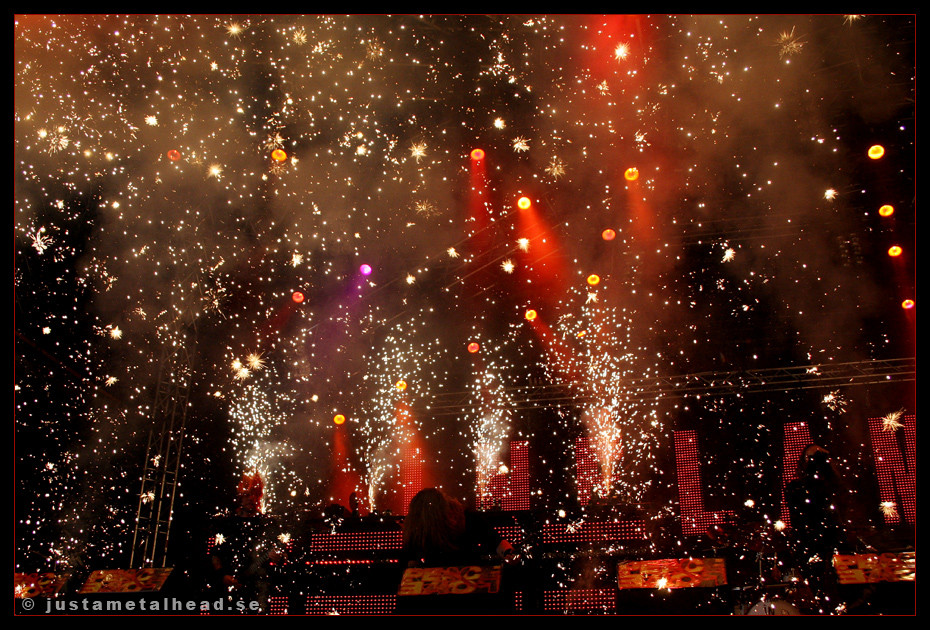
(40, 240)
(521, 144)
(622, 51)
(523, 244)
(889, 509)
(835, 401)
(418, 150)
(891, 422)
(556, 168)
(507, 266)
(255, 361)
(829, 194)
(424, 207)
(789, 43)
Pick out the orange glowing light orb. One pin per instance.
(278, 155)
(631, 174)
(608, 234)
(473, 347)
(401, 385)
(477, 154)
(297, 296)
(593, 279)
(907, 304)
(523, 203)
(530, 315)
(876, 151)
(895, 250)
(174, 155)
(339, 419)
(886, 211)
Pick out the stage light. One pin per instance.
(477, 154)
(174, 155)
(297, 296)
(895, 250)
(593, 279)
(886, 211)
(365, 269)
(339, 419)
(401, 385)
(473, 347)
(908, 304)
(530, 315)
(523, 203)
(608, 234)
(876, 151)
(631, 174)
(278, 155)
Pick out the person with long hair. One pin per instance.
(439, 531)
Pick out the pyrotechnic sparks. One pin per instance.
(891, 422)
(789, 43)
(418, 150)
(194, 197)
(556, 168)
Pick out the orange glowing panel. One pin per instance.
(876, 151)
(477, 154)
(530, 315)
(886, 211)
(895, 250)
(523, 203)
(631, 174)
(608, 234)
(278, 155)
(339, 419)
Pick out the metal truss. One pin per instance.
(821, 376)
